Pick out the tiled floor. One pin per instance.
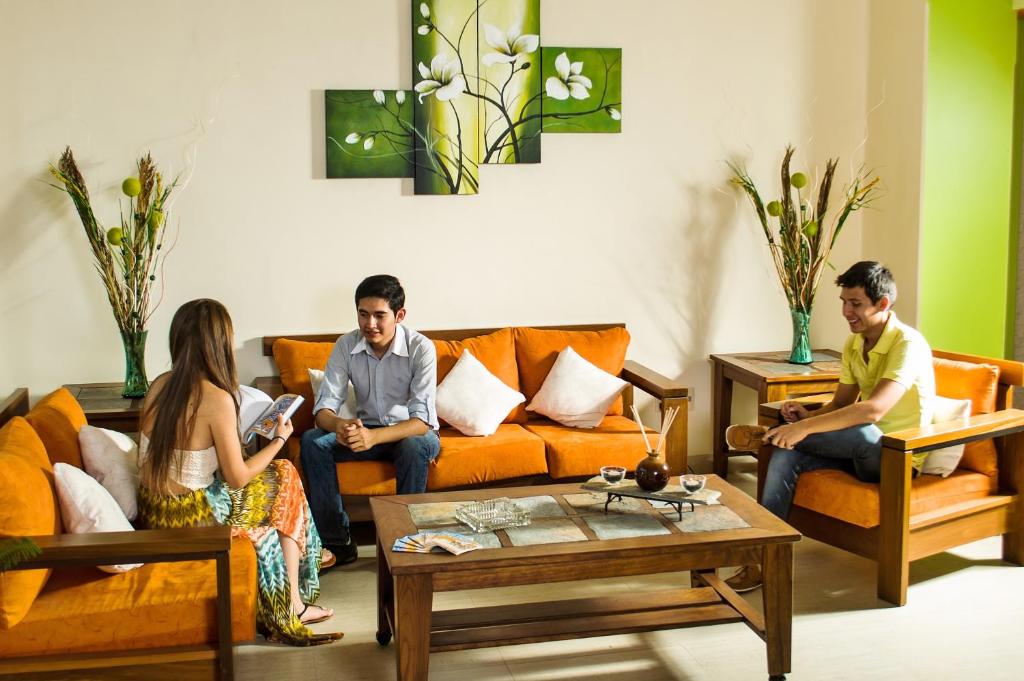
(964, 620)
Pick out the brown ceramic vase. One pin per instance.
(652, 473)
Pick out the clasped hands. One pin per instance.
(353, 434)
(792, 432)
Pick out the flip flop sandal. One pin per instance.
(305, 607)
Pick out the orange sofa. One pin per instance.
(526, 448)
(904, 518)
(58, 604)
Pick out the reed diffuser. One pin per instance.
(653, 473)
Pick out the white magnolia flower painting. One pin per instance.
(483, 91)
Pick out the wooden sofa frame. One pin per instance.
(900, 538)
(667, 392)
(143, 546)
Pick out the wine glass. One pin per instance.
(692, 483)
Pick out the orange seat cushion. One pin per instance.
(537, 350)
(57, 419)
(294, 359)
(978, 383)
(496, 351)
(840, 495)
(511, 452)
(28, 507)
(160, 604)
(575, 452)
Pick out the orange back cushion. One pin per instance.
(57, 419)
(294, 359)
(537, 349)
(978, 383)
(28, 507)
(496, 351)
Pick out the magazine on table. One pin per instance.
(257, 411)
(425, 542)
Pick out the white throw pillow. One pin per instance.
(113, 459)
(944, 461)
(348, 410)
(576, 393)
(86, 507)
(472, 399)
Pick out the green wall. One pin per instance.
(965, 287)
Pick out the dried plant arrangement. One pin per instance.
(128, 254)
(801, 233)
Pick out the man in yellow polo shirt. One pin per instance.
(886, 364)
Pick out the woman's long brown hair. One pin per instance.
(201, 348)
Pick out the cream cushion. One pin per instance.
(86, 507)
(944, 461)
(348, 409)
(576, 393)
(112, 458)
(473, 400)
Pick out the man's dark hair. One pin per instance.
(382, 286)
(874, 277)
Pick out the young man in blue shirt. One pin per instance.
(393, 371)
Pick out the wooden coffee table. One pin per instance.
(406, 582)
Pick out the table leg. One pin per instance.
(413, 607)
(385, 598)
(722, 398)
(778, 607)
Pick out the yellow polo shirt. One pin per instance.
(902, 355)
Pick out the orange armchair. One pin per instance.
(903, 518)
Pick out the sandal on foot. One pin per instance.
(314, 620)
(327, 559)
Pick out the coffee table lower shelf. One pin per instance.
(579, 618)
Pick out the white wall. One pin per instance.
(639, 227)
(895, 146)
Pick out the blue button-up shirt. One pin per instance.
(397, 387)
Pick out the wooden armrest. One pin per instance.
(980, 427)
(651, 382)
(16, 404)
(271, 385)
(142, 546)
(774, 409)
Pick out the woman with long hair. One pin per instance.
(193, 473)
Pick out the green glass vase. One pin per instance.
(135, 382)
(801, 350)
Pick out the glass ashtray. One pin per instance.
(493, 514)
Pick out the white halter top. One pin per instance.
(195, 469)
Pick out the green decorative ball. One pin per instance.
(115, 236)
(774, 209)
(799, 180)
(131, 186)
(811, 228)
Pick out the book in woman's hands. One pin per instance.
(257, 412)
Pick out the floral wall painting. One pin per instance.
(583, 89)
(369, 133)
(510, 81)
(447, 86)
(484, 91)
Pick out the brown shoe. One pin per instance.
(745, 438)
(747, 579)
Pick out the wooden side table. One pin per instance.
(105, 408)
(773, 378)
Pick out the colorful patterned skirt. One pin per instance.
(271, 502)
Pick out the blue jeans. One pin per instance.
(856, 450)
(320, 452)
